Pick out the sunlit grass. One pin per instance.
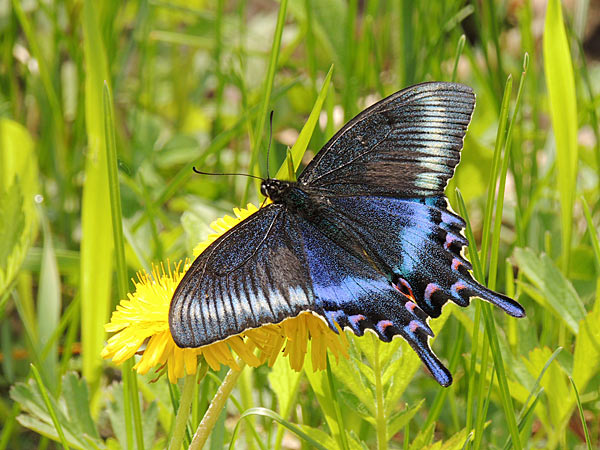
(193, 85)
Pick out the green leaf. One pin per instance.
(456, 442)
(399, 420)
(558, 393)
(18, 186)
(556, 291)
(358, 406)
(72, 411)
(49, 306)
(423, 438)
(560, 83)
(284, 382)
(321, 437)
(320, 386)
(587, 350)
(75, 393)
(12, 222)
(348, 372)
(115, 410)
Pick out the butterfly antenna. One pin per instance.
(270, 139)
(215, 173)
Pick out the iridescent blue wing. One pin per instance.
(254, 274)
(350, 292)
(388, 264)
(417, 246)
(407, 145)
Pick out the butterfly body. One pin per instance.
(364, 238)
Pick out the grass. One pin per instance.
(168, 85)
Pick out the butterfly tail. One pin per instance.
(409, 322)
(503, 302)
(390, 313)
(420, 345)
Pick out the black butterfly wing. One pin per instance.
(350, 292)
(407, 145)
(380, 251)
(417, 246)
(254, 274)
(388, 264)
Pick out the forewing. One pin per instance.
(407, 145)
(254, 274)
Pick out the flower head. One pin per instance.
(143, 318)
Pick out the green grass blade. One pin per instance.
(593, 232)
(480, 396)
(131, 399)
(442, 394)
(493, 339)
(563, 111)
(280, 420)
(473, 255)
(299, 147)
(478, 272)
(582, 416)
(46, 78)
(459, 49)
(114, 191)
(266, 95)
(502, 185)
(527, 416)
(97, 239)
(8, 426)
(506, 398)
(489, 206)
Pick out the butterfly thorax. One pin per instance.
(312, 206)
(292, 195)
(275, 189)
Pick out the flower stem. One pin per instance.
(214, 409)
(185, 402)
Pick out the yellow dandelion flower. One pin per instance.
(143, 318)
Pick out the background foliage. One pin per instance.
(192, 84)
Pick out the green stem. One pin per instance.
(380, 420)
(185, 403)
(336, 406)
(214, 410)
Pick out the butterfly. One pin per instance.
(364, 238)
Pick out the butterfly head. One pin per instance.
(274, 189)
